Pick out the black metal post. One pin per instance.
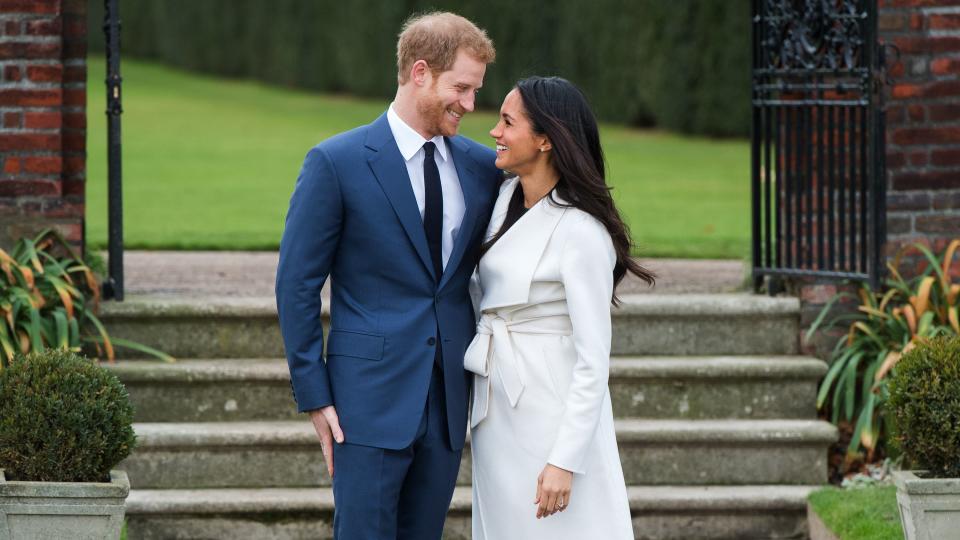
(755, 157)
(113, 288)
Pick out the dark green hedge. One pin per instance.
(681, 64)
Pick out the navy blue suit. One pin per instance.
(353, 217)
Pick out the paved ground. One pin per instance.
(251, 274)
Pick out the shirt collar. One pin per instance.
(408, 140)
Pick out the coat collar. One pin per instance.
(512, 261)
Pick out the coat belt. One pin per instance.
(492, 349)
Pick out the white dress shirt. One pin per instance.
(411, 148)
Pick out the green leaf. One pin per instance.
(125, 343)
(932, 259)
(823, 313)
(104, 338)
(870, 373)
(869, 332)
(925, 324)
(7, 344)
(33, 330)
(63, 333)
(74, 330)
(835, 368)
(864, 422)
(30, 254)
(850, 388)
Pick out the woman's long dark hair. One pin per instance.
(559, 110)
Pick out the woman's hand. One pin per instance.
(553, 490)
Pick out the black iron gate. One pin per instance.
(818, 188)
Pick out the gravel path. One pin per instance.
(251, 274)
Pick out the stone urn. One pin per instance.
(75, 510)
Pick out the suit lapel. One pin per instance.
(391, 172)
(470, 186)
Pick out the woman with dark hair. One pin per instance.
(543, 437)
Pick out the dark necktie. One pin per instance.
(433, 208)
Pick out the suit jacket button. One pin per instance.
(432, 342)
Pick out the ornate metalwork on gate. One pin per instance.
(818, 189)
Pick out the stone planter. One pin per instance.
(817, 528)
(76, 510)
(929, 507)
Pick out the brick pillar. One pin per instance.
(923, 122)
(43, 47)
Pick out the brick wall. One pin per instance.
(923, 134)
(923, 142)
(42, 117)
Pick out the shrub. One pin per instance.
(925, 402)
(886, 325)
(63, 418)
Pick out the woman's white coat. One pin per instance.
(541, 362)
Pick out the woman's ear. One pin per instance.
(544, 144)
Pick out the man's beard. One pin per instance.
(433, 112)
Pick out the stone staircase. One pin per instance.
(715, 421)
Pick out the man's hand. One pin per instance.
(553, 490)
(327, 424)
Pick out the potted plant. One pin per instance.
(925, 404)
(65, 422)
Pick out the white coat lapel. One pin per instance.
(499, 212)
(514, 258)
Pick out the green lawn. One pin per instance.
(868, 513)
(210, 164)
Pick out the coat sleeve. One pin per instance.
(309, 242)
(586, 270)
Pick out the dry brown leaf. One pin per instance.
(911, 317)
(948, 262)
(888, 362)
(923, 295)
(27, 276)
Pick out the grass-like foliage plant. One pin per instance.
(64, 419)
(925, 402)
(886, 325)
(48, 299)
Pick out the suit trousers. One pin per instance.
(383, 494)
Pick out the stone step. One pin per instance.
(649, 324)
(645, 387)
(653, 452)
(715, 387)
(659, 513)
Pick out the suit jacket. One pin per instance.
(353, 217)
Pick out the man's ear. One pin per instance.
(420, 73)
